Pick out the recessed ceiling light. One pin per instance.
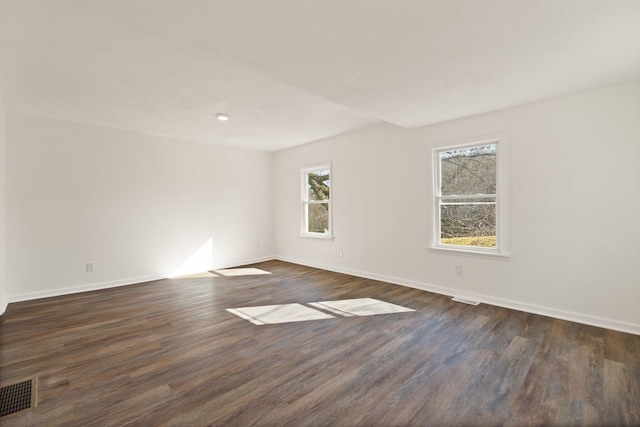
(222, 117)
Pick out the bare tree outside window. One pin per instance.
(316, 201)
(467, 196)
(319, 189)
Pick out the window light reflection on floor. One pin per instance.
(197, 275)
(230, 272)
(241, 272)
(285, 313)
(282, 313)
(360, 307)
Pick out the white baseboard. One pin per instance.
(116, 283)
(83, 288)
(586, 319)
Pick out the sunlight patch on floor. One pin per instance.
(283, 313)
(360, 307)
(196, 275)
(241, 272)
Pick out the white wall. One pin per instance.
(138, 206)
(3, 231)
(574, 179)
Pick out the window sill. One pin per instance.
(318, 236)
(461, 251)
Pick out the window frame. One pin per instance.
(305, 202)
(501, 249)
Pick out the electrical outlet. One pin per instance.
(458, 270)
(341, 253)
(91, 266)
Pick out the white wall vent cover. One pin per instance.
(466, 301)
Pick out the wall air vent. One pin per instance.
(17, 397)
(466, 301)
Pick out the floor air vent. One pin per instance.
(466, 301)
(17, 397)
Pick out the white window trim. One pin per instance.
(303, 201)
(502, 235)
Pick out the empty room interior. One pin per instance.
(319, 213)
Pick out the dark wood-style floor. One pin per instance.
(167, 353)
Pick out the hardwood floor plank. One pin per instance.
(621, 394)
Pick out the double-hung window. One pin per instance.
(469, 197)
(316, 201)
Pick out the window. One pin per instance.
(469, 197)
(316, 201)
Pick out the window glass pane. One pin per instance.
(318, 218)
(468, 222)
(468, 171)
(318, 185)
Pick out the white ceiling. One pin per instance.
(294, 71)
